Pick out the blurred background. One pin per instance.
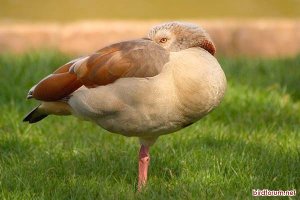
(251, 141)
(70, 10)
(248, 27)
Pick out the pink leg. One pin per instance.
(144, 160)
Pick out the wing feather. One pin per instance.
(136, 58)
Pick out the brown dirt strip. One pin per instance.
(263, 38)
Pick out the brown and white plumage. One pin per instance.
(136, 58)
(145, 87)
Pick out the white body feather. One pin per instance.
(191, 84)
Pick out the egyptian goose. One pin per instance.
(145, 88)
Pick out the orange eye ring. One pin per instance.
(163, 40)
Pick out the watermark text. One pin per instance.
(267, 192)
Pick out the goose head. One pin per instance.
(177, 36)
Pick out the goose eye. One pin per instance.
(163, 40)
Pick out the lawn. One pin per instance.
(252, 141)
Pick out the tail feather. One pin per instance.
(34, 116)
(55, 87)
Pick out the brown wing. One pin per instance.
(136, 58)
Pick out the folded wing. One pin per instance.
(136, 58)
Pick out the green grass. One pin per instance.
(251, 141)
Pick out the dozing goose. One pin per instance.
(145, 88)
